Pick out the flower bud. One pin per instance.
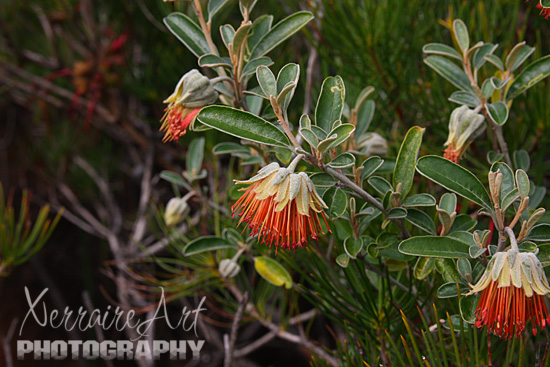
(228, 268)
(373, 144)
(193, 92)
(176, 210)
(464, 126)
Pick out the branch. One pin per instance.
(230, 345)
(276, 329)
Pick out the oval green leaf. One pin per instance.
(450, 71)
(208, 243)
(280, 32)
(406, 160)
(243, 125)
(188, 32)
(435, 246)
(330, 103)
(532, 74)
(454, 178)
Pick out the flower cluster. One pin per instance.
(281, 207)
(513, 288)
(193, 92)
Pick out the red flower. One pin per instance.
(176, 120)
(193, 92)
(281, 207)
(544, 11)
(512, 293)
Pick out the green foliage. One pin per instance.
(20, 236)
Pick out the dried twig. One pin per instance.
(230, 346)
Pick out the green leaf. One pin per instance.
(227, 32)
(423, 267)
(487, 88)
(450, 71)
(207, 243)
(342, 260)
(173, 177)
(468, 308)
(476, 251)
(371, 164)
(518, 55)
(287, 90)
(532, 74)
(510, 199)
(322, 182)
(195, 155)
(320, 133)
(397, 213)
(464, 268)
(508, 180)
(310, 137)
(536, 195)
(406, 160)
(544, 254)
(498, 112)
(419, 200)
(336, 201)
(380, 184)
(228, 148)
(450, 289)
(441, 49)
(497, 83)
(280, 32)
(465, 98)
(421, 220)
(447, 268)
(188, 32)
(493, 157)
(240, 36)
(243, 125)
(353, 246)
(539, 233)
(252, 65)
(267, 80)
(435, 246)
(273, 272)
(330, 103)
(364, 117)
(362, 97)
(259, 29)
(495, 60)
(344, 160)
(465, 237)
(522, 182)
(461, 33)
(211, 61)
(290, 73)
(448, 203)
(522, 160)
(479, 56)
(454, 178)
(463, 222)
(342, 132)
(214, 6)
(392, 252)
